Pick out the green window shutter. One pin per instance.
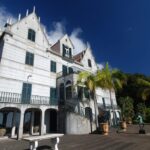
(29, 59)
(86, 93)
(70, 70)
(64, 70)
(53, 97)
(53, 66)
(64, 50)
(26, 93)
(31, 35)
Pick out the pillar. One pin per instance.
(13, 124)
(32, 122)
(20, 130)
(42, 126)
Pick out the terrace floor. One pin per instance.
(130, 140)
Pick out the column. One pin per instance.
(20, 130)
(13, 124)
(42, 126)
(32, 122)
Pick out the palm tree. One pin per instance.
(106, 79)
(144, 91)
(89, 80)
(109, 79)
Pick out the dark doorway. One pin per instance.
(53, 121)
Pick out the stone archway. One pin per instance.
(51, 120)
(32, 121)
(9, 121)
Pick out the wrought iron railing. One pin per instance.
(16, 98)
(108, 106)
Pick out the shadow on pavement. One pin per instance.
(43, 148)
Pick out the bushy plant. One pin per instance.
(127, 108)
(147, 115)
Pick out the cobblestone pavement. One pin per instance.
(130, 140)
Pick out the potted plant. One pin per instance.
(103, 122)
(127, 110)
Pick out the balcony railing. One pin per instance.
(108, 106)
(75, 70)
(16, 98)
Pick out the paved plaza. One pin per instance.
(129, 140)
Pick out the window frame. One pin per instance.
(89, 63)
(53, 66)
(29, 59)
(31, 35)
(26, 97)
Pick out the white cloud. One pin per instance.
(4, 15)
(55, 34)
(78, 42)
(59, 31)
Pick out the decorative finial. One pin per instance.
(7, 21)
(39, 19)
(19, 17)
(27, 12)
(34, 9)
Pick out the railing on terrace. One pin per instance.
(75, 70)
(16, 98)
(108, 106)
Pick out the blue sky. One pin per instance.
(117, 30)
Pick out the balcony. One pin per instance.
(108, 107)
(16, 98)
(75, 70)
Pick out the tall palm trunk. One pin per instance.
(96, 115)
(112, 106)
(90, 113)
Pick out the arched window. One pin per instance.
(89, 63)
(31, 35)
(61, 92)
(68, 90)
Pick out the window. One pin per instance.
(29, 58)
(68, 90)
(86, 92)
(61, 92)
(67, 52)
(53, 66)
(104, 104)
(53, 96)
(89, 63)
(31, 35)
(64, 70)
(70, 70)
(26, 93)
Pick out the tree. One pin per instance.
(89, 80)
(127, 108)
(110, 79)
(105, 79)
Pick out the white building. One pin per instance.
(36, 76)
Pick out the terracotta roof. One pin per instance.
(79, 56)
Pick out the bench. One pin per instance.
(33, 140)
